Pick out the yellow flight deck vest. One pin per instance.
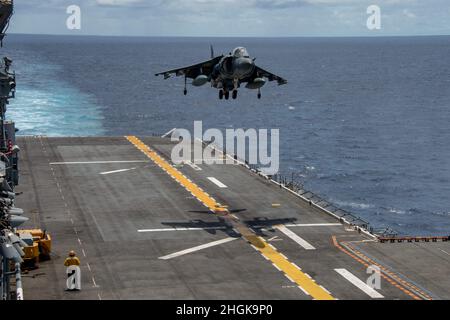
(72, 262)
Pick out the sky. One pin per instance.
(259, 18)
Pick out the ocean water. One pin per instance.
(364, 122)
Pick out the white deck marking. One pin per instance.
(97, 162)
(313, 224)
(217, 182)
(193, 166)
(194, 249)
(210, 161)
(181, 229)
(304, 291)
(95, 284)
(117, 171)
(275, 238)
(306, 245)
(359, 284)
(168, 133)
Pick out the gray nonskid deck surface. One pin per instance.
(99, 216)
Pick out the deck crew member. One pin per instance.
(73, 271)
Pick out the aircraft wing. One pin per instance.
(193, 71)
(270, 76)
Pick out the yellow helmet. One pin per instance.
(72, 253)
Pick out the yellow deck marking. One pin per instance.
(301, 279)
(268, 251)
(175, 174)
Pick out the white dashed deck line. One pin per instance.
(304, 291)
(217, 182)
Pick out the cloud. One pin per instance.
(121, 3)
(117, 2)
(409, 14)
(234, 17)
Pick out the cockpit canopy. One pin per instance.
(240, 52)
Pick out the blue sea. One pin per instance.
(364, 122)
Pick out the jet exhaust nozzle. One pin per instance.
(200, 80)
(256, 84)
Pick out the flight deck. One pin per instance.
(145, 228)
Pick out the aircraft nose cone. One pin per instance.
(244, 65)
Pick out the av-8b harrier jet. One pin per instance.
(226, 73)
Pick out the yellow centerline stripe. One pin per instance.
(202, 196)
(300, 278)
(268, 251)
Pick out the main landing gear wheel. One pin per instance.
(227, 95)
(235, 94)
(220, 94)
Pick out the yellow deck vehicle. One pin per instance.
(39, 245)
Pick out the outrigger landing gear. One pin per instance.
(235, 94)
(185, 89)
(259, 93)
(220, 94)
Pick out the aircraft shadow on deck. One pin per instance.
(226, 224)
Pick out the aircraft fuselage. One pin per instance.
(232, 69)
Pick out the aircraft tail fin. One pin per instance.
(212, 51)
